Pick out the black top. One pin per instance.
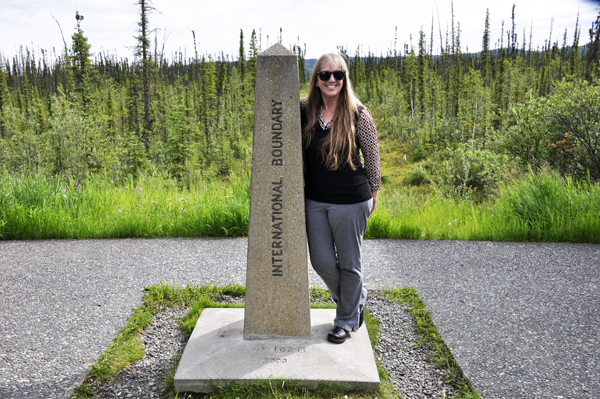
(341, 186)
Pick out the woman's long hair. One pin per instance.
(339, 146)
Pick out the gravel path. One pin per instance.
(521, 318)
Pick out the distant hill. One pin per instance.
(308, 66)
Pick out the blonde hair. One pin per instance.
(339, 146)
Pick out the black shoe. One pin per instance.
(338, 335)
(361, 318)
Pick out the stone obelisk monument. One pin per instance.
(277, 298)
(276, 337)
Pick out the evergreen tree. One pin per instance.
(179, 139)
(301, 60)
(4, 97)
(574, 59)
(513, 35)
(221, 78)
(252, 55)
(133, 106)
(143, 51)
(242, 56)
(209, 102)
(410, 74)
(455, 75)
(593, 54)
(485, 53)
(422, 63)
(80, 53)
(502, 81)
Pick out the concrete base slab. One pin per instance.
(217, 354)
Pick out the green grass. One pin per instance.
(126, 348)
(41, 208)
(534, 208)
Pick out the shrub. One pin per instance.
(471, 174)
(524, 133)
(562, 131)
(574, 123)
(417, 177)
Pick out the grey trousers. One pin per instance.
(335, 233)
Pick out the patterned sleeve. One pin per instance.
(303, 102)
(369, 145)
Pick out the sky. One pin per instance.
(320, 25)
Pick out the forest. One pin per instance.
(472, 130)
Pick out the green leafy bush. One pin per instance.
(524, 133)
(417, 177)
(471, 173)
(561, 131)
(574, 124)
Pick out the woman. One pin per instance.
(340, 192)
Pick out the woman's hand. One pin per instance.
(374, 192)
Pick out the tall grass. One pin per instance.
(540, 207)
(545, 208)
(37, 207)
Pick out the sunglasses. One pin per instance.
(337, 75)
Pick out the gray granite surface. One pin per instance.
(521, 318)
(277, 259)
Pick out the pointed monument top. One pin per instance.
(277, 295)
(277, 49)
